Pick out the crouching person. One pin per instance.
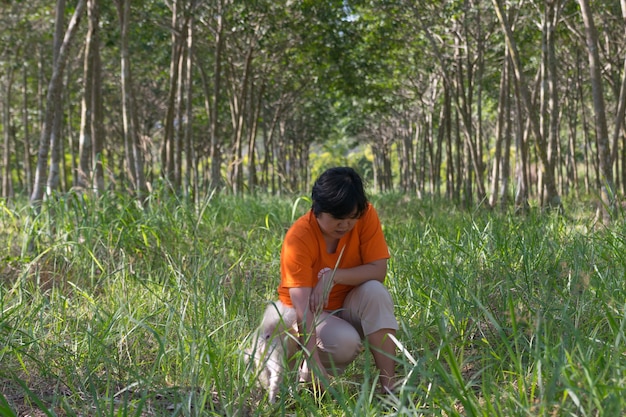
(333, 266)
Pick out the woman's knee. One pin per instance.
(369, 307)
(340, 341)
(374, 291)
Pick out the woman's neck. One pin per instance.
(331, 244)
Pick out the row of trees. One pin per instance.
(480, 101)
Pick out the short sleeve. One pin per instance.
(296, 263)
(373, 245)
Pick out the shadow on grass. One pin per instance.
(44, 398)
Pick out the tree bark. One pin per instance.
(90, 173)
(216, 156)
(604, 152)
(549, 102)
(97, 131)
(180, 120)
(446, 123)
(255, 114)
(522, 187)
(55, 137)
(553, 199)
(7, 185)
(85, 141)
(191, 173)
(28, 168)
(53, 99)
(171, 124)
(134, 156)
(506, 157)
(463, 100)
(621, 110)
(405, 161)
(500, 126)
(268, 142)
(238, 107)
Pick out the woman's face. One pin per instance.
(336, 228)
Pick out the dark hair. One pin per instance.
(339, 192)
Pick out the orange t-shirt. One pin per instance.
(304, 254)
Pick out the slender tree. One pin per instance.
(97, 130)
(191, 173)
(7, 184)
(604, 151)
(215, 125)
(53, 100)
(56, 143)
(171, 122)
(553, 199)
(85, 154)
(549, 99)
(134, 156)
(28, 169)
(620, 114)
(498, 160)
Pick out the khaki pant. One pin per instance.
(367, 309)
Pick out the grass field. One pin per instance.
(125, 312)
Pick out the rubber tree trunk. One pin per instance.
(53, 100)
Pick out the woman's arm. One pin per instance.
(318, 299)
(357, 275)
(306, 327)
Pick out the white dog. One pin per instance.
(273, 346)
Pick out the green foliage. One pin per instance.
(124, 311)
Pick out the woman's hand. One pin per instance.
(319, 296)
(313, 372)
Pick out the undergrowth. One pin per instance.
(108, 308)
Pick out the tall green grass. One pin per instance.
(121, 310)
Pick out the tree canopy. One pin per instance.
(481, 102)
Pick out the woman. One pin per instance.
(337, 308)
